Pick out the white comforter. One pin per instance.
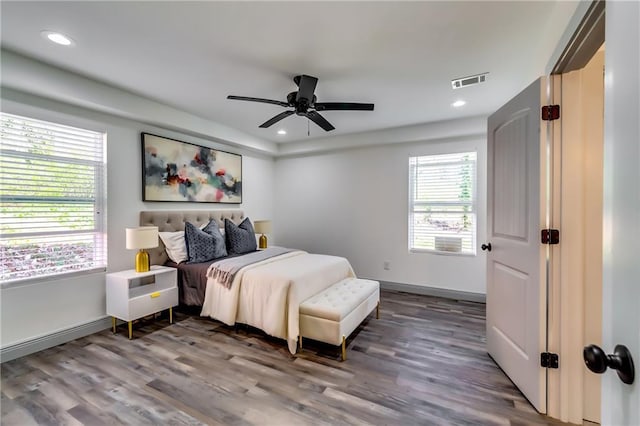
(267, 294)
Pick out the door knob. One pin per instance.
(598, 361)
(486, 247)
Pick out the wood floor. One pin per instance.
(423, 362)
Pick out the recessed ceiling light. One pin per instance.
(282, 132)
(458, 104)
(57, 38)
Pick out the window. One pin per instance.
(442, 203)
(52, 196)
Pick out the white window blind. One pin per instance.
(442, 203)
(52, 196)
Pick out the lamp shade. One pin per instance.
(142, 238)
(262, 226)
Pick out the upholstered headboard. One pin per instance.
(174, 220)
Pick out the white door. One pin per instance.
(621, 268)
(516, 281)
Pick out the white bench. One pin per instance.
(332, 315)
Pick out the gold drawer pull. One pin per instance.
(154, 295)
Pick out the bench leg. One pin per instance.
(344, 348)
(378, 310)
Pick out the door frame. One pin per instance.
(566, 302)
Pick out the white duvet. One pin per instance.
(267, 294)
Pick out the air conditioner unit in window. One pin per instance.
(452, 244)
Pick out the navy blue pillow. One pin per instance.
(204, 245)
(240, 238)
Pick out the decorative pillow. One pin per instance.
(240, 238)
(175, 245)
(212, 229)
(204, 245)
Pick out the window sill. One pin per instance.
(20, 282)
(442, 253)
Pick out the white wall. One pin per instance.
(620, 285)
(34, 310)
(354, 203)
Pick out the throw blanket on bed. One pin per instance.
(225, 270)
(267, 294)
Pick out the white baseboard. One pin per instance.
(433, 291)
(50, 340)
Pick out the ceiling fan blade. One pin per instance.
(320, 120)
(275, 119)
(265, 101)
(306, 88)
(342, 106)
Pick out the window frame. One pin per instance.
(473, 204)
(98, 167)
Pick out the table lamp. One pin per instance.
(142, 238)
(262, 227)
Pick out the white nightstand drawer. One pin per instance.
(153, 302)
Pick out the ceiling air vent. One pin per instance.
(469, 81)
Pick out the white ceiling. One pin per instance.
(399, 55)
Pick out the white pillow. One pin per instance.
(175, 245)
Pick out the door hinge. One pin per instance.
(550, 236)
(548, 360)
(550, 112)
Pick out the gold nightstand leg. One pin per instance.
(130, 330)
(170, 315)
(113, 324)
(300, 341)
(378, 310)
(344, 348)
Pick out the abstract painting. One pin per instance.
(179, 171)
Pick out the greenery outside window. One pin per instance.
(442, 203)
(52, 199)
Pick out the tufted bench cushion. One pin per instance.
(332, 315)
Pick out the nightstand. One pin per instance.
(132, 295)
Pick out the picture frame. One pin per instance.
(174, 170)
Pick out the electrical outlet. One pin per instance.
(387, 265)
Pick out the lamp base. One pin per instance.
(262, 242)
(142, 261)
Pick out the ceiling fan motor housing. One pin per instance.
(301, 105)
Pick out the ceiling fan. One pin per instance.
(304, 103)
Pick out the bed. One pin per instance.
(265, 294)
